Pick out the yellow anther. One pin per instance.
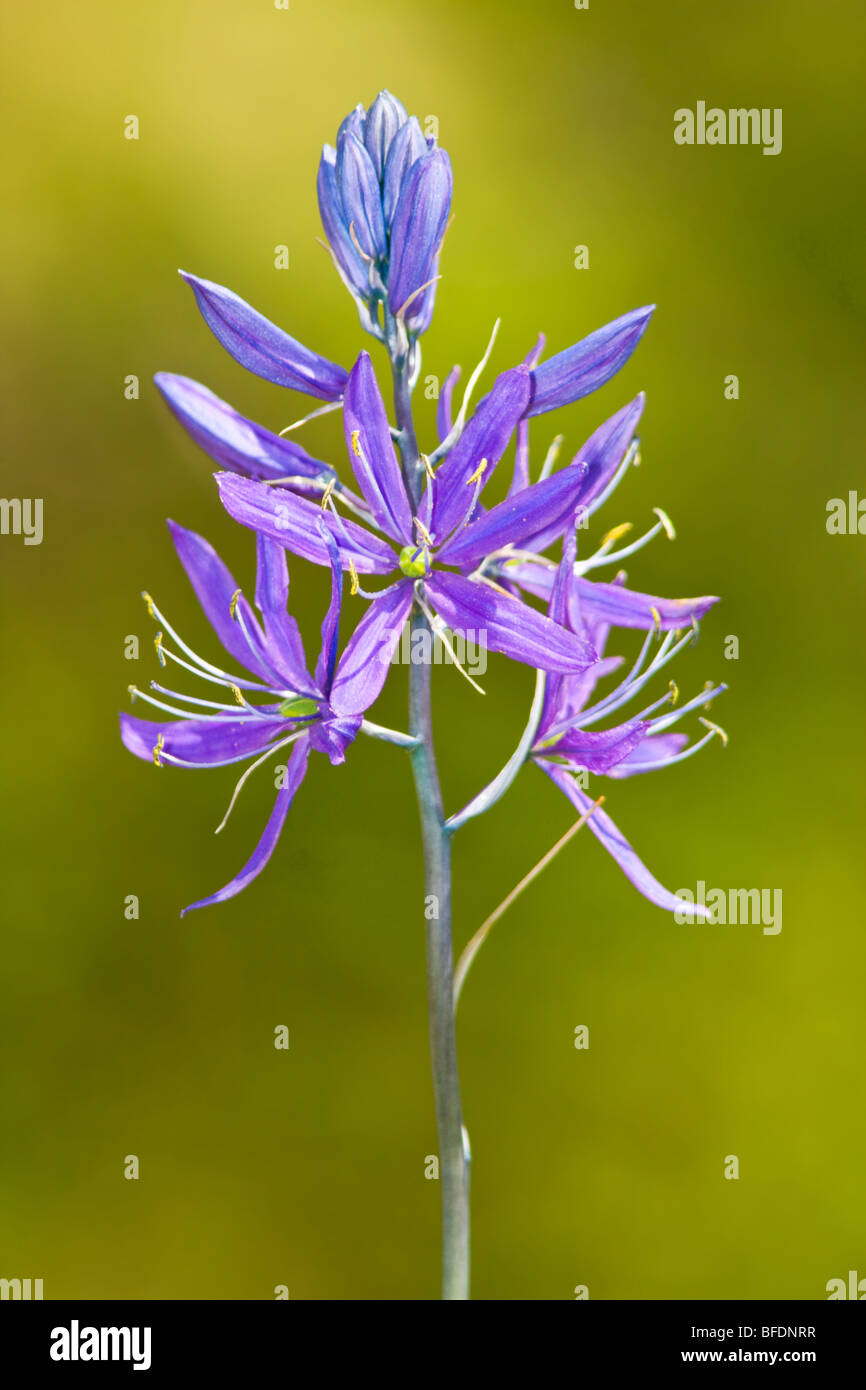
(233, 604)
(425, 534)
(236, 691)
(353, 575)
(157, 749)
(637, 460)
(675, 691)
(617, 532)
(657, 619)
(133, 690)
(157, 647)
(326, 495)
(356, 435)
(716, 728)
(477, 474)
(149, 601)
(428, 467)
(666, 523)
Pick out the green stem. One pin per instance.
(453, 1159)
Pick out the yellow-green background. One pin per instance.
(154, 1037)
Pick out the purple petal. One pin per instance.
(652, 753)
(215, 589)
(333, 736)
(360, 196)
(504, 624)
(285, 647)
(384, 119)
(407, 146)
(201, 741)
(293, 522)
(297, 766)
(486, 436)
(612, 603)
(594, 464)
(230, 439)
(331, 623)
(372, 454)
(263, 348)
(443, 405)
(587, 365)
(615, 843)
(362, 668)
(419, 225)
(546, 505)
(599, 751)
(339, 237)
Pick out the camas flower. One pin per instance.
(384, 198)
(282, 705)
(567, 741)
(449, 529)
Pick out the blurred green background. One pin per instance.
(155, 1037)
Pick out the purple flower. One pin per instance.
(384, 198)
(263, 348)
(278, 704)
(449, 527)
(587, 365)
(568, 742)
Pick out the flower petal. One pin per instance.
(215, 589)
(407, 146)
(587, 365)
(652, 753)
(297, 766)
(600, 750)
(231, 440)
(360, 196)
(333, 736)
(384, 119)
(363, 667)
(331, 622)
(613, 603)
(615, 843)
(420, 218)
(372, 454)
(504, 624)
(285, 647)
(339, 237)
(206, 742)
(546, 505)
(485, 438)
(263, 348)
(443, 406)
(293, 522)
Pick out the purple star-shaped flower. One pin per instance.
(283, 705)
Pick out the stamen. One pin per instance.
(699, 701)
(615, 533)
(233, 604)
(353, 575)
(714, 729)
(157, 750)
(157, 644)
(666, 523)
(326, 495)
(269, 751)
(550, 458)
(425, 534)
(457, 428)
(441, 630)
(314, 414)
(479, 472)
(401, 312)
(675, 692)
